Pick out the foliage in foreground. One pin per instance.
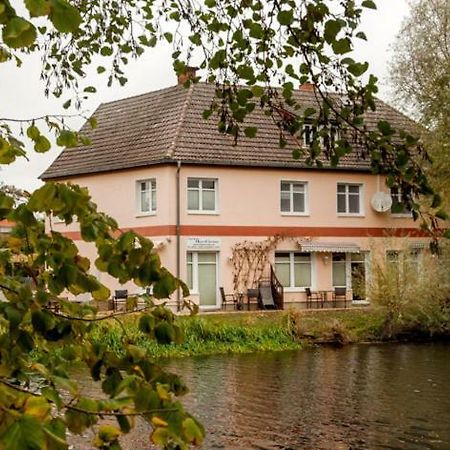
(39, 400)
(249, 42)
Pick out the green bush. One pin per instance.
(414, 296)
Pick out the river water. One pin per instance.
(391, 396)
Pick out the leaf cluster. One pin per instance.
(38, 269)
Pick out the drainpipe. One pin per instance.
(177, 231)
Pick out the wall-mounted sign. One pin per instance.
(203, 244)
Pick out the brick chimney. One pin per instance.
(189, 74)
(307, 87)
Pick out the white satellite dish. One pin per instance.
(381, 202)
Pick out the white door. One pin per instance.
(202, 277)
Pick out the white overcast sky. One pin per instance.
(22, 92)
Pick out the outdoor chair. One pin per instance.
(228, 299)
(313, 297)
(266, 297)
(340, 293)
(120, 299)
(253, 294)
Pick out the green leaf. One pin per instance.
(38, 7)
(33, 132)
(67, 139)
(25, 433)
(369, 4)
(446, 234)
(42, 144)
(106, 51)
(56, 434)
(192, 431)
(286, 17)
(342, 46)
(250, 131)
(65, 17)
(92, 122)
(332, 28)
(19, 33)
(358, 69)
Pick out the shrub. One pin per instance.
(414, 295)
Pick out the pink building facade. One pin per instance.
(317, 246)
(222, 214)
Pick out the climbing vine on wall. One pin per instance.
(250, 260)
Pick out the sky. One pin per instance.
(22, 91)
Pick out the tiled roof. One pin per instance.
(166, 126)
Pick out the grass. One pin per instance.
(248, 332)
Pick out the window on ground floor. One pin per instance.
(293, 269)
(350, 270)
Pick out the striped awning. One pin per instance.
(419, 245)
(330, 247)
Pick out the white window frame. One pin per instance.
(153, 208)
(194, 290)
(348, 274)
(308, 130)
(361, 212)
(312, 260)
(291, 211)
(200, 189)
(398, 195)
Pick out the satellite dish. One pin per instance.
(381, 202)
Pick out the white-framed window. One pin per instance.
(293, 269)
(310, 131)
(349, 199)
(398, 208)
(351, 270)
(294, 197)
(146, 196)
(405, 260)
(340, 270)
(202, 195)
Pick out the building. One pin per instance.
(220, 213)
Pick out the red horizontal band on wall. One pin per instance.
(230, 230)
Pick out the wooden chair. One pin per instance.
(228, 299)
(313, 296)
(340, 293)
(120, 299)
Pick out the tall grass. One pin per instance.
(414, 297)
(202, 336)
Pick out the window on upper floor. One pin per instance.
(146, 196)
(293, 269)
(310, 131)
(399, 206)
(349, 199)
(293, 197)
(202, 195)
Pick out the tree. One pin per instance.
(249, 42)
(420, 73)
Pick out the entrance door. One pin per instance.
(202, 277)
(358, 274)
(207, 278)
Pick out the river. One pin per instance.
(391, 396)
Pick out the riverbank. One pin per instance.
(251, 332)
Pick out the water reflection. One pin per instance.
(389, 396)
(359, 397)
